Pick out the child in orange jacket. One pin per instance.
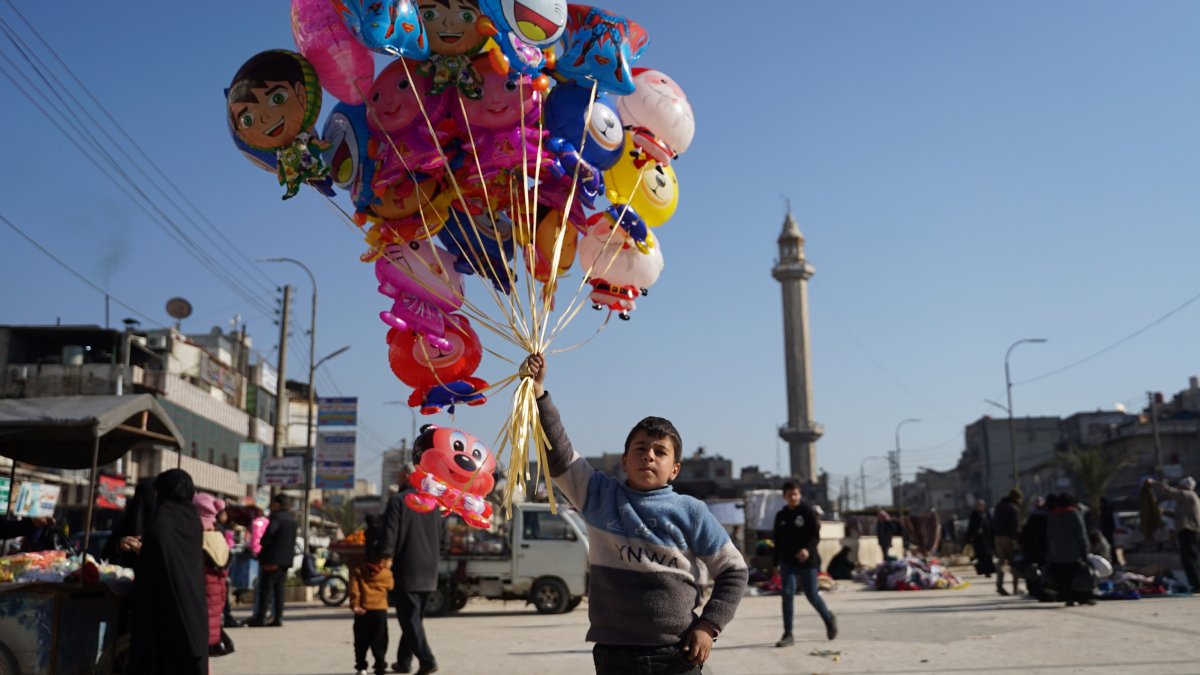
(370, 583)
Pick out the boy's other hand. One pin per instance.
(359, 610)
(534, 368)
(698, 645)
(802, 555)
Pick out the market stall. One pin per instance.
(58, 613)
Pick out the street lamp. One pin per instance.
(899, 474)
(1012, 434)
(862, 477)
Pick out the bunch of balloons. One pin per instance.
(503, 138)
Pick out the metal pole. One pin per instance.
(1012, 429)
(281, 392)
(1158, 460)
(87, 524)
(899, 473)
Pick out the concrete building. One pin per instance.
(204, 382)
(801, 432)
(987, 460)
(393, 459)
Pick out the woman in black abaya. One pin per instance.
(170, 624)
(126, 538)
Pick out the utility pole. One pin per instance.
(1155, 400)
(281, 394)
(862, 484)
(894, 470)
(845, 493)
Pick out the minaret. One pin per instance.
(793, 273)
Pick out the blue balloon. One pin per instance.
(387, 26)
(349, 166)
(601, 46)
(565, 112)
(482, 246)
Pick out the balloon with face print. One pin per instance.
(522, 29)
(267, 160)
(659, 115)
(617, 270)
(402, 140)
(502, 124)
(600, 140)
(404, 210)
(455, 471)
(451, 26)
(343, 64)
(424, 287)
(649, 187)
(273, 102)
(601, 46)
(390, 27)
(432, 372)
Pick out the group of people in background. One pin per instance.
(1051, 550)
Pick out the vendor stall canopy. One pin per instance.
(61, 431)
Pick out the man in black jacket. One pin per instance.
(274, 560)
(1006, 523)
(797, 534)
(414, 542)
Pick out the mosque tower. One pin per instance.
(801, 433)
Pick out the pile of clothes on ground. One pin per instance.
(1125, 585)
(909, 574)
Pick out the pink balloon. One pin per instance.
(343, 64)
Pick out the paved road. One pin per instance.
(970, 631)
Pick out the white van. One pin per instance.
(537, 556)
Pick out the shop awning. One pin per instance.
(61, 431)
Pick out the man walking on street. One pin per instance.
(274, 560)
(415, 542)
(797, 534)
(1187, 519)
(1005, 527)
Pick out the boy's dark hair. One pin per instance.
(280, 500)
(789, 486)
(657, 428)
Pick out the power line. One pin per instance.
(146, 203)
(1114, 345)
(75, 273)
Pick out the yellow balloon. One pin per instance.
(655, 197)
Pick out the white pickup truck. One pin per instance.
(537, 556)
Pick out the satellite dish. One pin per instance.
(178, 308)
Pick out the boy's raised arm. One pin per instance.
(571, 473)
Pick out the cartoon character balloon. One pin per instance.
(503, 124)
(405, 210)
(440, 378)
(566, 115)
(644, 184)
(403, 143)
(268, 161)
(273, 103)
(455, 472)
(602, 46)
(386, 26)
(343, 64)
(617, 271)
(522, 30)
(424, 287)
(659, 115)
(451, 25)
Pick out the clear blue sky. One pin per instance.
(966, 174)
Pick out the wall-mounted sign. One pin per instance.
(337, 412)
